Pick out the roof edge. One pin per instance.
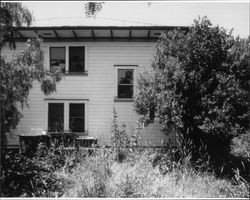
(102, 27)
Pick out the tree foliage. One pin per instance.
(92, 8)
(17, 75)
(12, 15)
(198, 83)
(16, 80)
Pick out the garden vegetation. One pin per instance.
(197, 87)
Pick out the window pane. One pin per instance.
(76, 59)
(57, 58)
(125, 91)
(125, 76)
(76, 124)
(76, 117)
(55, 121)
(76, 109)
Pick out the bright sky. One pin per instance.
(228, 14)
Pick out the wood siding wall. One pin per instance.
(99, 87)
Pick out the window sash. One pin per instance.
(55, 117)
(77, 65)
(121, 86)
(57, 60)
(79, 116)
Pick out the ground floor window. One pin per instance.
(67, 116)
(76, 117)
(56, 117)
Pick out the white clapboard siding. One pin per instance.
(99, 87)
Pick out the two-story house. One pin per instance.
(100, 65)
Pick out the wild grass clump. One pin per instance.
(127, 171)
(91, 176)
(100, 175)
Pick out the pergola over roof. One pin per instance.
(94, 33)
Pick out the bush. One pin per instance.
(34, 175)
(198, 86)
(119, 139)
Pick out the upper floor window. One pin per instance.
(57, 58)
(76, 59)
(125, 83)
(68, 59)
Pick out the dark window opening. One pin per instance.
(76, 117)
(56, 117)
(125, 83)
(57, 58)
(76, 59)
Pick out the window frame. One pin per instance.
(66, 103)
(66, 46)
(50, 56)
(70, 46)
(81, 117)
(128, 67)
(49, 113)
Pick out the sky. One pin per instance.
(228, 14)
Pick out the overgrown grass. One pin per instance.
(125, 170)
(100, 176)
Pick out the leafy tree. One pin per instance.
(12, 15)
(16, 80)
(17, 76)
(92, 8)
(198, 85)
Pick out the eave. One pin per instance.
(95, 33)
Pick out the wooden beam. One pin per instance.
(149, 31)
(93, 34)
(111, 33)
(104, 28)
(72, 39)
(75, 35)
(56, 34)
(21, 35)
(130, 34)
(39, 35)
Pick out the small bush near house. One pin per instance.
(119, 139)
(241, 146)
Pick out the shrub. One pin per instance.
(34, 175)
(26, 176)
(198, 86)
(119, 139)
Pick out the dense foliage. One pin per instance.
(92, 8)
(12, 15)
(33, 174)
(16, 80)
(18, 74)
(198, 85)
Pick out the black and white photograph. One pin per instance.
(125, 99)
